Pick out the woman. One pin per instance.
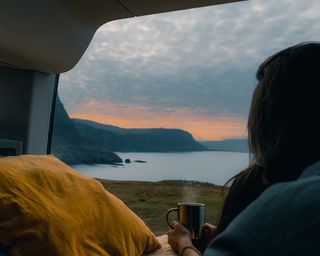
(284, 139)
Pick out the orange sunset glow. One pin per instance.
(201, 126)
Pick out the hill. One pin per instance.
(137, 140)
(73, 148)
(233, 145)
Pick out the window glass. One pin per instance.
(157, 106)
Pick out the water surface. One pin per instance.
(208, 166)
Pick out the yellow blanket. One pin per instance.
(47, 208)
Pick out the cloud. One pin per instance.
(203, 60)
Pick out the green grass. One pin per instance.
(151, 200)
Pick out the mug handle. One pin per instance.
(167, 215)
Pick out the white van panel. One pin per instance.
(26, 101)
(52, 35)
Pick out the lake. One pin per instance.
(206, 166)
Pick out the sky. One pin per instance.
(192, 69)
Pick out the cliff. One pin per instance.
(85, 142)
(73, 148)
(138, 140)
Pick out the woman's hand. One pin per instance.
(179, 237)
(207, 233)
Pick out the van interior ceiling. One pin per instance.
(40, 40)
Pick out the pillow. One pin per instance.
(47, 208)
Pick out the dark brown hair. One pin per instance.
(283, 126)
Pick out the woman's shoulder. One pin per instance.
(284, 220)
(286, 203)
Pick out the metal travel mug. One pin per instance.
(191, 215)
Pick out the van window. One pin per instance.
(156, 109)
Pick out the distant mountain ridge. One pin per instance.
(232, 145)
(138, 140)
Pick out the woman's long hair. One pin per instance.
(283, 126)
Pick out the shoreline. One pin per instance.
(182, 182)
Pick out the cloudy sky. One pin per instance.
(193, 69)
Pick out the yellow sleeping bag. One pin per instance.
(47, 208)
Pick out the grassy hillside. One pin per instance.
(151, 200)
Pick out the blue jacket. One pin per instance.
(284, 220)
